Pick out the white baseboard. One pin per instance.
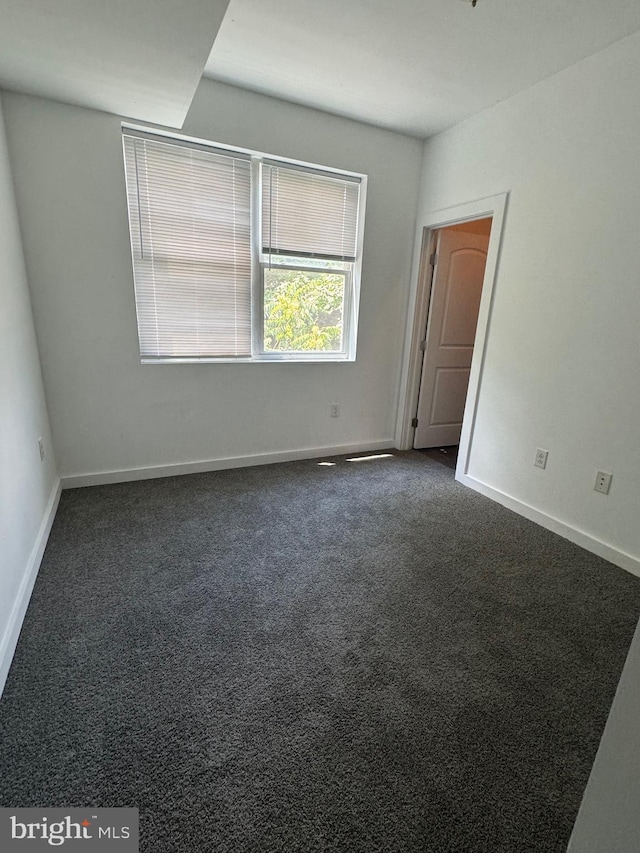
(100, 478)
(10, 638)
(573, 534)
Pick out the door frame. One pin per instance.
(417, 315)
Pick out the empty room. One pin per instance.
(320, 478)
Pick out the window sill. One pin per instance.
(266, 360)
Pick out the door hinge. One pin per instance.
(433, 260)
(423, 345)
(414, 422)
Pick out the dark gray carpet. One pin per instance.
(360, 657)
(444, 455)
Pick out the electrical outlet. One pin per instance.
(41, 447)
(335, 410)
(603, 482)
(541, 458)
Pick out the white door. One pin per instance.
(451, 329)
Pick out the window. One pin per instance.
(241, 257)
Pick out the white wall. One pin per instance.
(27, 485)
(563, 358)
(562, 367)
(107, 411)
(608, 818)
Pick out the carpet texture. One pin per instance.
(363, 656)
(444, 455)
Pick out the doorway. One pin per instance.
(457, 266)
(429, 223)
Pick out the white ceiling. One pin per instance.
(417, 66)
(139, 58)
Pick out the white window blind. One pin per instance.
(309, 214)
(189, 216)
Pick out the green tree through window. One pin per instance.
(303, 311)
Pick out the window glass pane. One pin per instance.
(303, 311)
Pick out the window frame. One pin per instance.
(259, 261)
